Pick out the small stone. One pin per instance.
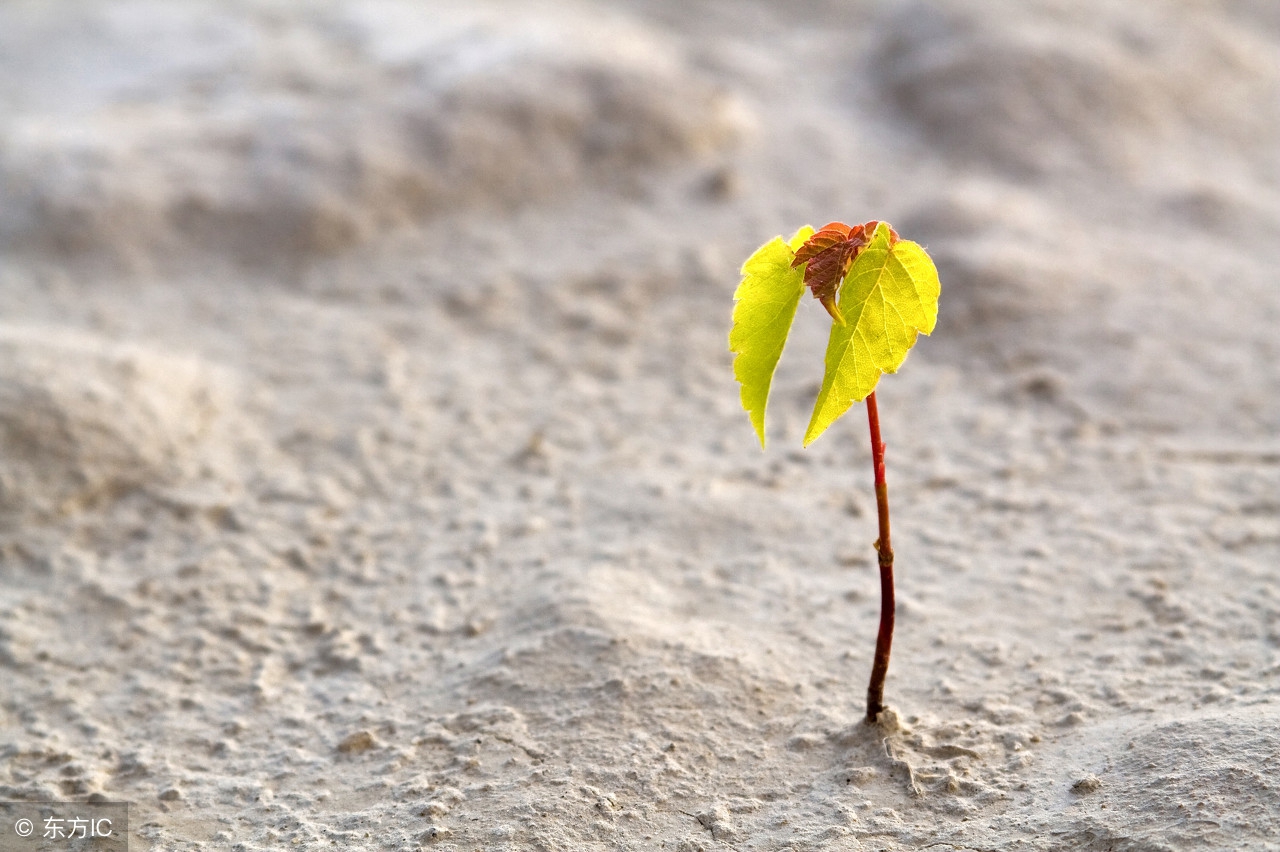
(477, 627)
(717, 821)
(170, 794)
(357, 742)
(1086, 785)
(434, 809)
(861, 776)
(434, 834)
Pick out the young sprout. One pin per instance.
(881, 292)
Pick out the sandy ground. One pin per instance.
(372, 474)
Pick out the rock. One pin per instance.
(360, 741)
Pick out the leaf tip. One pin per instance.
(757, 425)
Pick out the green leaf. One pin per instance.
(889, 295)
(764, 308)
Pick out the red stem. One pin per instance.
(884, 639)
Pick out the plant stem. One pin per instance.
(884, 639)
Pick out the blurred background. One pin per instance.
(370, 454)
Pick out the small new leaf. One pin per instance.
(765, 306)
(889, 295)
(827, 255)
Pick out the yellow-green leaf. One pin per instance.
(764, 308)
(889, 295)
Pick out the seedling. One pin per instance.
(881, 291)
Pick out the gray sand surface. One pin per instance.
(372, 473)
